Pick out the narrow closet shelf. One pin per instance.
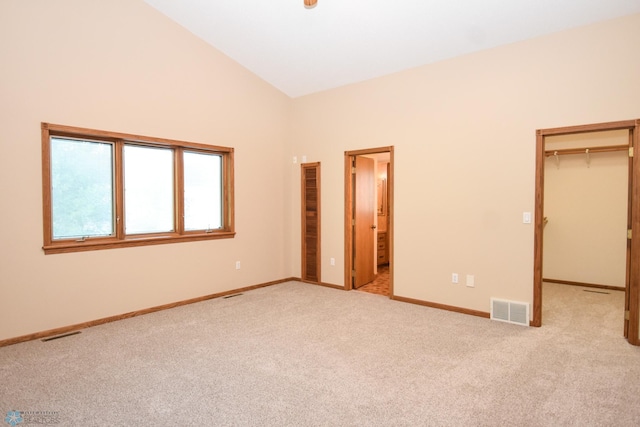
(591, 150)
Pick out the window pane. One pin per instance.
(202, 191)
(82, 188)
(148, 189)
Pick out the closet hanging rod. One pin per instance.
(592, 150)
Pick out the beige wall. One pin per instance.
(463, 132)
(585, 239)
(119, 65)
(464, 138)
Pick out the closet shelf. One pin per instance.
(591, 150)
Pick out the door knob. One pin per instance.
(373, 227)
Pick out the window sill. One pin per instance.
(94, 245)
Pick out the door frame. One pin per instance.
(348, 213)
(631, 322)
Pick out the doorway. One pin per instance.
(632, 265)
(368, 217)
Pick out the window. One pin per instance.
(202, 176)
(81, 188)
(148, 190)
(104, 190)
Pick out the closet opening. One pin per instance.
(586, 212)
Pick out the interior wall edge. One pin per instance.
(97, 322)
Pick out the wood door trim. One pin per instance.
(539, 226)
(633, 291)
(596, 127)
(634, 271)
(627, 280)
(348, 210)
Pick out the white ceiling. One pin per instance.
(338, 42)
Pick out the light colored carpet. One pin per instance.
(301, 355)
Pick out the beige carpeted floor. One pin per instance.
(301, 355)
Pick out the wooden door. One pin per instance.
(364, 221)
(311, 222)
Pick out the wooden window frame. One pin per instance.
(120, 239)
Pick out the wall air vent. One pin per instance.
(510, 311)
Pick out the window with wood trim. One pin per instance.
(104, 190)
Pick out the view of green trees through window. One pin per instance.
(106, 190)
(82, 188)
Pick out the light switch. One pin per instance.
(471, 281)
(526, 217)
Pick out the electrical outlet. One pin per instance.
(237, 265)
(454, 278)
(295, 159)
(471, 281)
(332, 261)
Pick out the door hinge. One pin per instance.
(353, 222)
(626, 315)
(353, 170)
(629, 234)
(630, 151)
(353, 273)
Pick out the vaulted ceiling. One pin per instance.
(302, 50)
